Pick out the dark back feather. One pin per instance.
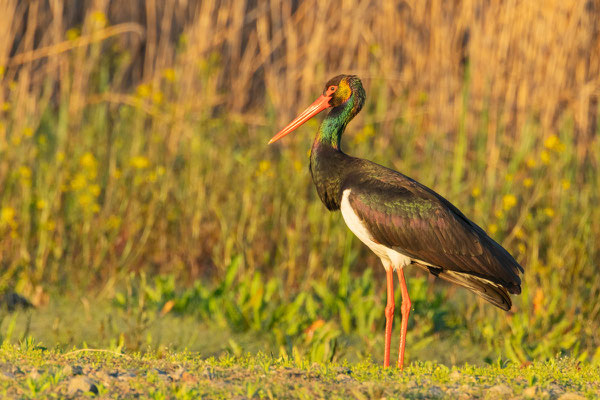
(403, 214)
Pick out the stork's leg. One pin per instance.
(389, 315)
(405, 309)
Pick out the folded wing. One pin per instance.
(402, 214)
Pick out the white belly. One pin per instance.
(389, 256)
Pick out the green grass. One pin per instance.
(321, 324)
(30, 370)
(340, 320)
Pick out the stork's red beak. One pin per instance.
(319, 105)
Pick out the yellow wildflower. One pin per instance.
(169, 74)
(2, 69)
(7, 216)
(5, 106)
(493, 228)
(157, 97)
(264, 166)
(85, 199)
(95, 190)
(476, 192)
(100, 18)
(545, 157)
(41, 204)
(139, 162)
(519, 234)
(143, 90)
(117, 173)
(73, 33)
(50, 225)
(499, 214)
(551, 141)
(509, 177)
(549, 211)
(60, 156)
(87, 160)
(25, 173)
(78, 182)
(160, 170)
(508, 201)
(530, 162)
(521, 248)
(90, 165)
(28, 131)
(565, 184)
(527, 182)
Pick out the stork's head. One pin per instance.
(338, 90)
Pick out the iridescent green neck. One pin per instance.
(331, 130)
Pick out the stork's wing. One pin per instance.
(411, 218)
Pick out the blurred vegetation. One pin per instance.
(133, 144)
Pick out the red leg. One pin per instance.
(405, 309)
(389, 315)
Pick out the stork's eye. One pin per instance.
(331, 89)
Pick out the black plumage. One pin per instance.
(402, 214)
(407, 216)
(414, 220)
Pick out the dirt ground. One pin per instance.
(29, 371)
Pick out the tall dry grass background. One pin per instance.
(132, 137)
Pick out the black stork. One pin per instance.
(400, 220)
